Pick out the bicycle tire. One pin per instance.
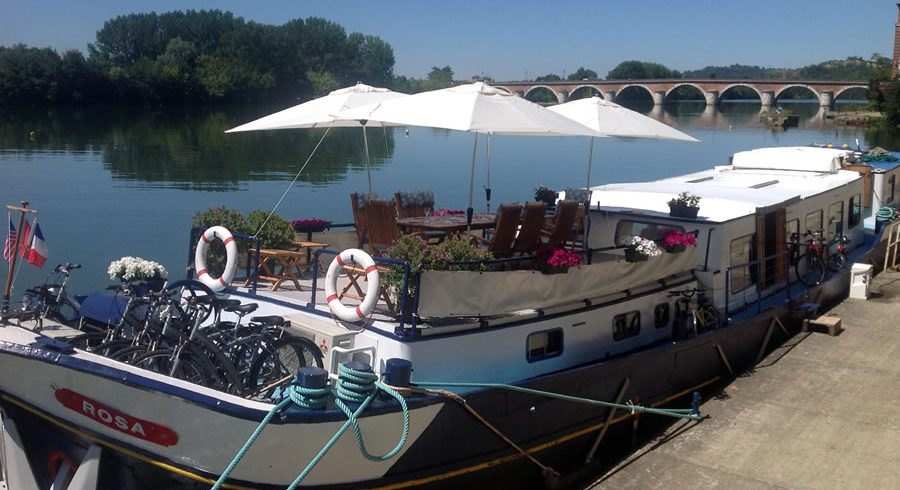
(813, 272)
(88, 341)
(189, 369)
(708, 316)
(227, 377)
(836, 262)
(110, 348)
(282, 359)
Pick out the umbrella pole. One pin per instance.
(368, 164)
(470, 210)
(590, 161)
(487, 189)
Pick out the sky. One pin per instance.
(522, 40)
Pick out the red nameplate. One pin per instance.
(114, 419)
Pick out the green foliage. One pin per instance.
(545, 195)
(685, 199)
(277, 233)
(196, 57)
(640, 70)
(424, 256)
(583, 74)
(890, 107)
(439, 78)
(548, 78)
(851, 68)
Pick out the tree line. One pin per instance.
(205, 56)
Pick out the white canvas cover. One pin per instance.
(465, 293)
(799, 158)
(611, 119)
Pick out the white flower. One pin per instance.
(645, 246)
(135, 268)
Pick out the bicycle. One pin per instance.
(810, 267)
(838, 259)
(50, 301)
(693, 313)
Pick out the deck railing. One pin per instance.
(785, 281)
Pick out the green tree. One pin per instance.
(890, 107)
(583, 74)
(439, 78)
(548, 78)
(641, 70)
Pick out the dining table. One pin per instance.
(450, 223)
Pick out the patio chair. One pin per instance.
(414, 204)
(381, 225)
(561, 228)
(504, 232)
(359, 218)
(529, 237)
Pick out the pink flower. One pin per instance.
(675, 237)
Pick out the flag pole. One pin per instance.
(22, 209)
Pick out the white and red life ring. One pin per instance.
(231, 253)
(364, 309)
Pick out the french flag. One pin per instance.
(37, 252)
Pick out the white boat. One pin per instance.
(530, 353)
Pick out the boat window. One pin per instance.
(792, 228)
(544, 345)
(741, 256)
(855, 206)
(626, 325)
(626, 229)
(661, 315)
(835, 220)
(813, 221)
(891, 187)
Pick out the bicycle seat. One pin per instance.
(226, 304)
(268, 321)
(242, 309)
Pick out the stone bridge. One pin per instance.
(713, 89)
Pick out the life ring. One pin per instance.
(364, 309)
(231, 252)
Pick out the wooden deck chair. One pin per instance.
(561, 228)
(359, 218)
(381, 225)
(504, 232)
(414, 204)
(529, 236)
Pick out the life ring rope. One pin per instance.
(210, 235)
(364, 309)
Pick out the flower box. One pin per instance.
(546, 268)
(681, 211)
(311, 225)
(676, 249)
(632, 255)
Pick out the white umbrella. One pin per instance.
(475, 107)
(611, 119)
(323, 112)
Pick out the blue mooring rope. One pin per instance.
(353, 386)
(887, 213)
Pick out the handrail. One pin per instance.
(756, 264)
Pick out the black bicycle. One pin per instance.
(51, 301)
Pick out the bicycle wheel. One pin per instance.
(282, 359)
(837, 262)
(226, 377)
(708, 317)
(88, 341)
(810, 269)
(161, 361)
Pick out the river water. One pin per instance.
(110, 182)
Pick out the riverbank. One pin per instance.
(854, 118)
(817, 413)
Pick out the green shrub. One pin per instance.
(423, 256)
(278, 232)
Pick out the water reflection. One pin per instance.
(187, 148)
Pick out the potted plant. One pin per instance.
(556, 260)
(144, 275)
(310, 225)
(685, 205)
(545, 195)
(676, 241)
(641, 249)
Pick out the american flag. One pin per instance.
(9, 248)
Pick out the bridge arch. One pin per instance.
(677, 86)
(847, 89)
(591, 89)
(635, 86)
(784, 89)
(743, 85)
(535, 89)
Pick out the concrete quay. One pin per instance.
(820, 412)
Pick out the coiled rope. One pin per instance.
(887, 213)
(353, 386)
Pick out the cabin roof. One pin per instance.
(731, 191)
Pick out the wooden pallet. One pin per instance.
(829, 322)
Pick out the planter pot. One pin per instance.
(632, 255)
(676, 249)
(679, 211)
(549, 269)
(309, 229)
(142, 287)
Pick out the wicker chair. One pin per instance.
(504, 233)
(359, 218)
(529, 237)
(561, 229)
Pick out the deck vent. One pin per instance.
(763, 184)
(701, 179)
